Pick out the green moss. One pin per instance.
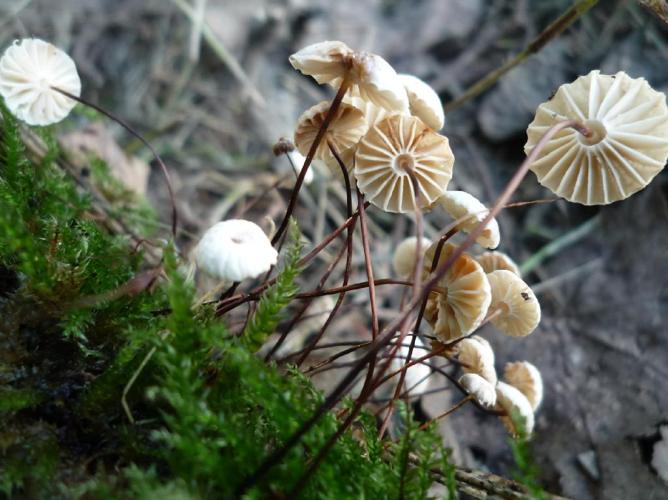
(207, 411)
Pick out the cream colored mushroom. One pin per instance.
(628, 146)
(514, 308)
(478, 357)
(460, 204)
(494, 261)
(527, 379)
(369, 74)
(405, 255)
(344, 132)
(393, 148)
(459, 303)
(479, 388)
(424, 101)
(29, 71)
(510, 400)
(373, 113)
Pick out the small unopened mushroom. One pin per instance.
(479, 388)
(460, 204)
(392, 151)
(478, 357)
(513, 402)
(418, 376)
(424, 101)
(627, 148)
(369, 74)
(234, 250)
(493, 261)
(29, 69)
(527, 379)
(459, 302)
(405, 255)
(514, 309)
(344, 132)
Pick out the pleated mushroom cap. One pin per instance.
(460, 204)
(479, 388)
(423, 101)
(373, 113)
(628, 147)
(371, 76)
(494, 261)
(344, 132)
(527, 379)
(520, 310)
(460, 302)
(389, 150)
(29, 69)
(510, 400)
(405, 255)
(477, 354)
(234, 250)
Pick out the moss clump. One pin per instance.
(206, 410)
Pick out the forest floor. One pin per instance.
(602, 343)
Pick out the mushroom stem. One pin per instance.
(345, 84)
(126, 126)
(446, 413)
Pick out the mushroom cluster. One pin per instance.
(384, 130)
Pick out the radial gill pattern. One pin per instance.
(460, 300)
(390, 151)
(628, 146)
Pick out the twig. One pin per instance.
(553, 30)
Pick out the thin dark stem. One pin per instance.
(309, 157)
(126, 126)
(446, 413)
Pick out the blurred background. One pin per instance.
(209, 83)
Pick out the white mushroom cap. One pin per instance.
(629, 145)
(459, 304)
(373, 113)
(510, 399)
(478, 355)
(298, 160)
(527, 379)
(424, 101)
(461, 204)
(520, 309)
(393, 147)
(405, 255)
(371, 76)
(28, 70)
(479, 388)
(344, 132)
(234, 250)
(493, 261)
(660, 454)
(418, 376)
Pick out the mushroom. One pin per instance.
(459, 302)
(513, 402)
(405, 255)
(478, 357)
(344, 132)
(423, 101)
(627, 148)
(234, 250)
(514, 308)
(368, 74)
(462, 205)
(416, 380)
(29, 71)
(483, 392)
(527, 379)
(373, 113)
(394, 150)
(493, 261)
